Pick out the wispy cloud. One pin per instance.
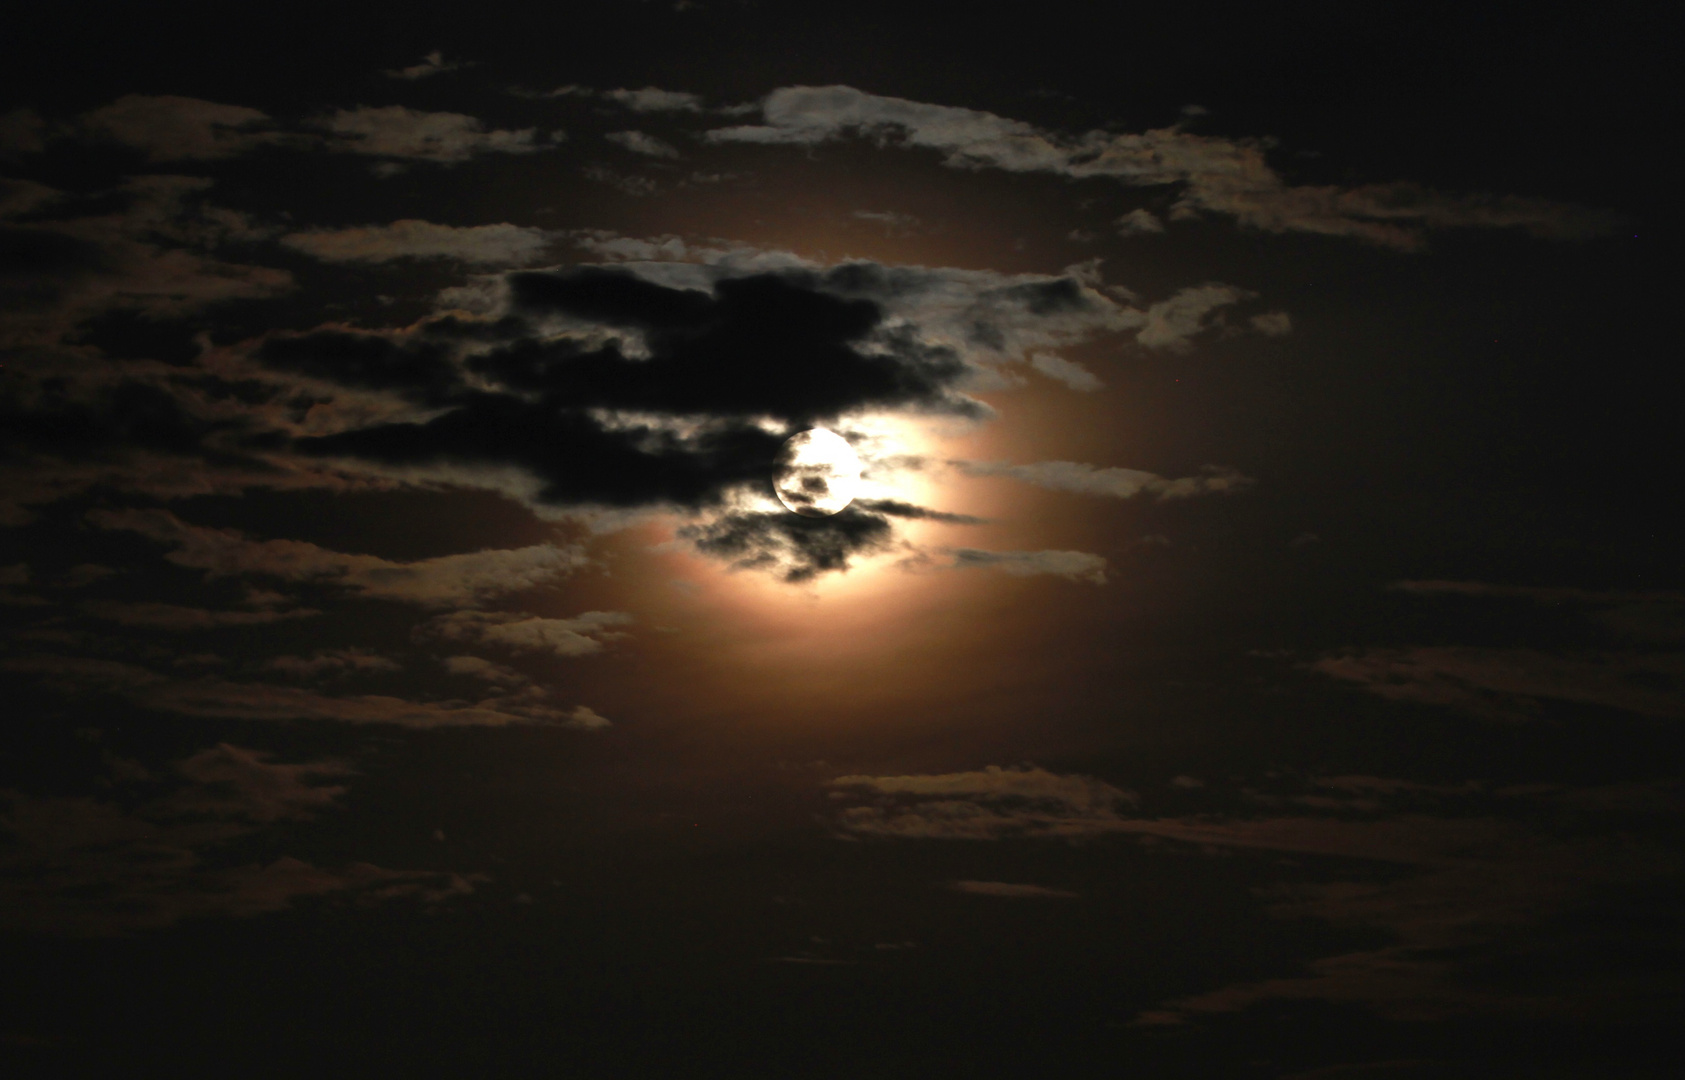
(1217, 175)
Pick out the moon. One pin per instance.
(817, 473)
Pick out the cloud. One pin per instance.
(1069, 372)
(1084, 479)
(991, 804)
(266, 702)
(22, 131)
(151, 256)
(480, 668)
(170, 128)
(1272, 323)
(433, 63)
(176, 617)
(1170, 323)
(664, 390)
(651, 99)
(581, 635)
(1011, 891)
(1500, 683)
(1137, 222)
(331, 664)
(446, 138)
(1215, 174)
(85, 867)
(640, 143)
(231, 782)
(586, 719)
(1548, 595)
(446, 581)
(796, 548)
(1478, 927)
(481, 245)
(1074, 565)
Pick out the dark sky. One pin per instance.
(1255, 647)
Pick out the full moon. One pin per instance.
(817, 473)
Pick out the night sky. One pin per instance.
(1255, 648)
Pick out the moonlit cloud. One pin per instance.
(581, 635)
(481, 245)
(403, 134)
(642, 143)
(1216, 175)
(1073, 565)
(446, 581)
(990, 804)
(170, 128)
(1084, 479)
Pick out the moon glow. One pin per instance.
(817, 473)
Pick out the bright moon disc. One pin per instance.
(817, 473)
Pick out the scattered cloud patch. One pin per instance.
(502, 244)
(88, 867)
(1084, 479)
(445, 138)
(581, 635)
(1217, 175)
(654, 100)
(990, 804)
(447, 581)
(1068, 372)
(1500, 684)
(639, 142)
(434, 63)
(170, 128)
(1138, 222)
(1072, 565)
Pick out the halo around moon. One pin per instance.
(817, 473)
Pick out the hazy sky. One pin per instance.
(1254, 649)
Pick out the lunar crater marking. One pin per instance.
(817, 473)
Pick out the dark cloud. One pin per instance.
(798, 548)
(896, 508)
(660, 399)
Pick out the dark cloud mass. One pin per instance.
(661, 413)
